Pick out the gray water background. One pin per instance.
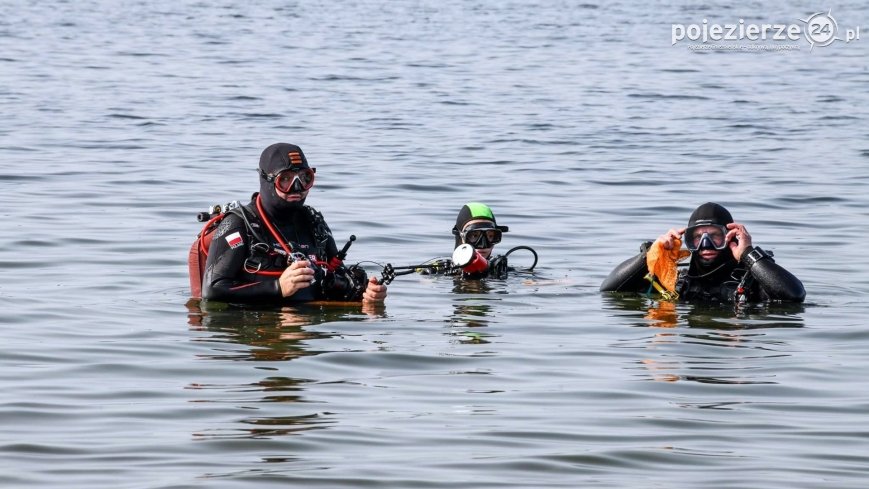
(581, 126)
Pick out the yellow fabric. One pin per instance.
(662, 263)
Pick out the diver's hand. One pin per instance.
(742, 241)
(374, 292)
(296, 277)
(668, 239)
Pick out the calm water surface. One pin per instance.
(579, 123)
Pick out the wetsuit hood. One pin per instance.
(473, 211)
(710, 213)
(275, 158)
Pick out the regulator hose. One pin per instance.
(528, 248)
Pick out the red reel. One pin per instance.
(469, 259)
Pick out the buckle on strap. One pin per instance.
(254, 262)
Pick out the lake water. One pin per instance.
(579, 123)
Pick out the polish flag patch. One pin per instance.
(234, 240)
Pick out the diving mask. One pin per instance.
(481, 235)
(706, 236)
(285, 180)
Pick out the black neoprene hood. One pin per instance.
(710, 213)
(473, 211)
(273, 159)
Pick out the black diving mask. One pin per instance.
(706, 237)
(481, 235)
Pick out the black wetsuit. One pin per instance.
(766, 280)
(230, 273)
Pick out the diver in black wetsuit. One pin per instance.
(476, 233)
(477, 228)
(724, 265)
(276, 249)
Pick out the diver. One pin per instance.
(476, 233)
(276, 249)
(476, 227)
(724, 267)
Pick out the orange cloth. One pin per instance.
(662, 263)
(664, 315)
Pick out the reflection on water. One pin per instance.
(476, 303)
(274, 335)
(267, 335)
(666, 314)
(707, 344)
(271, 427)
(472, 308)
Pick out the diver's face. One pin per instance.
(482, 235)
(292, 196)
(706, 241)
(708, 256)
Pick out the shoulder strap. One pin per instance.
(247, 215)
(322, 233)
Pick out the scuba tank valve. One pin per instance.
(217, 209)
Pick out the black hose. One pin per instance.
(404, 272)
(522, 247)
